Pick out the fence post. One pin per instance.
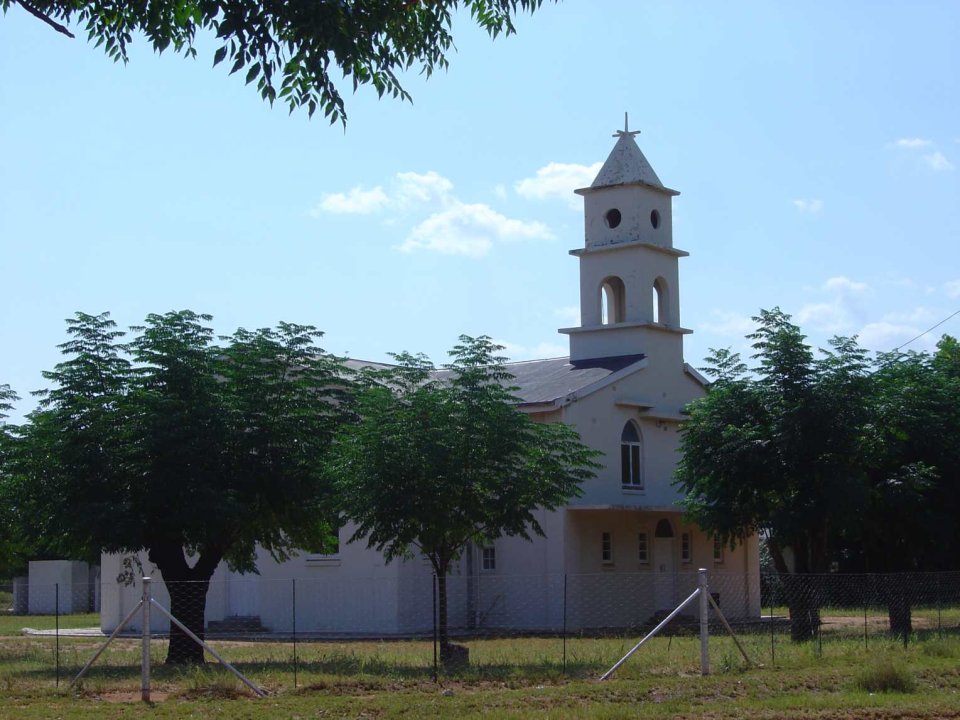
(564, 623)
(145, 644)
(56, 612)
(433, 596)
(866, 600)
(773, 650)
(939, 618)
(294, 604)
(704, 622)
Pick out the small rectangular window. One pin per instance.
(489, 558)
(606, 548)
(327, 554)
(642, 551)
(717, 549)
(685, 547)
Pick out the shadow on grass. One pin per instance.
(343, 667)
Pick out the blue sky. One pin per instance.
(816, 146)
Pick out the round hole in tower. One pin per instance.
(612, 217)
(655, 219)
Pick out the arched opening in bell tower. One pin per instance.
(661, 302)
(613, 303)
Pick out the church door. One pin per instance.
(664, 583)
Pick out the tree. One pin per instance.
(779, 452)
(191, 451)
(290, 49)
(13, 551)
(913, 472)
(441, 459)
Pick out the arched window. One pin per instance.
(664, 529)
(661, 302)
(613, 304)
(631, 457)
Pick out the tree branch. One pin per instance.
(49, 21)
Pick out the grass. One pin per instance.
(507, 678)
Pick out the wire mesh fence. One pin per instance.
(292, 632)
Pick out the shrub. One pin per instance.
(885, 676)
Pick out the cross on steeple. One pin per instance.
(626, 129)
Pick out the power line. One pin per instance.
(897, 349)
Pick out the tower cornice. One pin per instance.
(672, 251)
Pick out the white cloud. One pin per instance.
(569, 314)
(452, 226)
(407, 190)
(558, 180)
(844, 284)
(413, 189)
(516, 351)
(912, 143)
(824, 317)
(884, 336)
(934, 160)
(728, 324)
(811, 206)
(840, 312)
(952, 289)
(356, 201)
(469, 229)
(919, 315)
(937, 161)
(500, 190)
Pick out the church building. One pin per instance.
(616, 556)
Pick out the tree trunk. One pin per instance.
(187, 587)
(804, 609)
(443, 632)
(188, 601)
(799, 594)
(452, 657)
(896, 591)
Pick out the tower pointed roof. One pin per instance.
(626, 164)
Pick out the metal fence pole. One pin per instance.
(773, 651)
(819, 633)
(939, 605)
(704, 622)
(56, 612)
(294, 610)
(564, 623)
(145, 644)
(433, 595)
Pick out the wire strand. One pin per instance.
(930, 329)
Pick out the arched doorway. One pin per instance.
(664, 558)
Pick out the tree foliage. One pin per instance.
(442, 459)
(294, 51)
(835, 459)
(13, 549)
(192, 451)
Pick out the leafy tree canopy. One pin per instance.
(13, 550)
(834, 457)
(778, 450)
(173, 444)
(440, 459)
(294, 50)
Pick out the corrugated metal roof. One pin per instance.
(543, 381)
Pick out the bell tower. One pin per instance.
(629, 270)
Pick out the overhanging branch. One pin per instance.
(48, 20)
